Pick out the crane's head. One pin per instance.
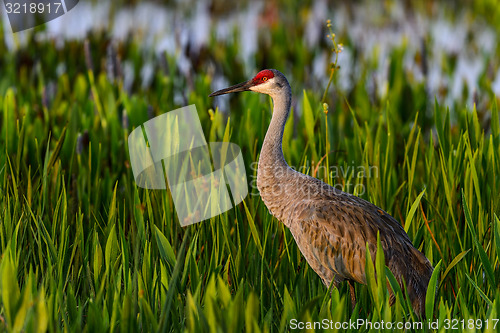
(267, 81)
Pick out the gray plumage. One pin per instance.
(330, 227)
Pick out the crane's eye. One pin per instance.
(264, 78)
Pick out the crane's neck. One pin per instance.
(271, 155)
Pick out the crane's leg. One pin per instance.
(353, 294)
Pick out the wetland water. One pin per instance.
(369, 34)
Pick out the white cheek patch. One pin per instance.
(264, 87)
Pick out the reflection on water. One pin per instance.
(373, 32)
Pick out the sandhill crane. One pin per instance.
(331, 227)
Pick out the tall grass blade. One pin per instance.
(482, 254)
(430, 297)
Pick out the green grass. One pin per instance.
(82, 246)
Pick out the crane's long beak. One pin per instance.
(243, 86)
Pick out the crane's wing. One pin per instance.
(332, 233)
